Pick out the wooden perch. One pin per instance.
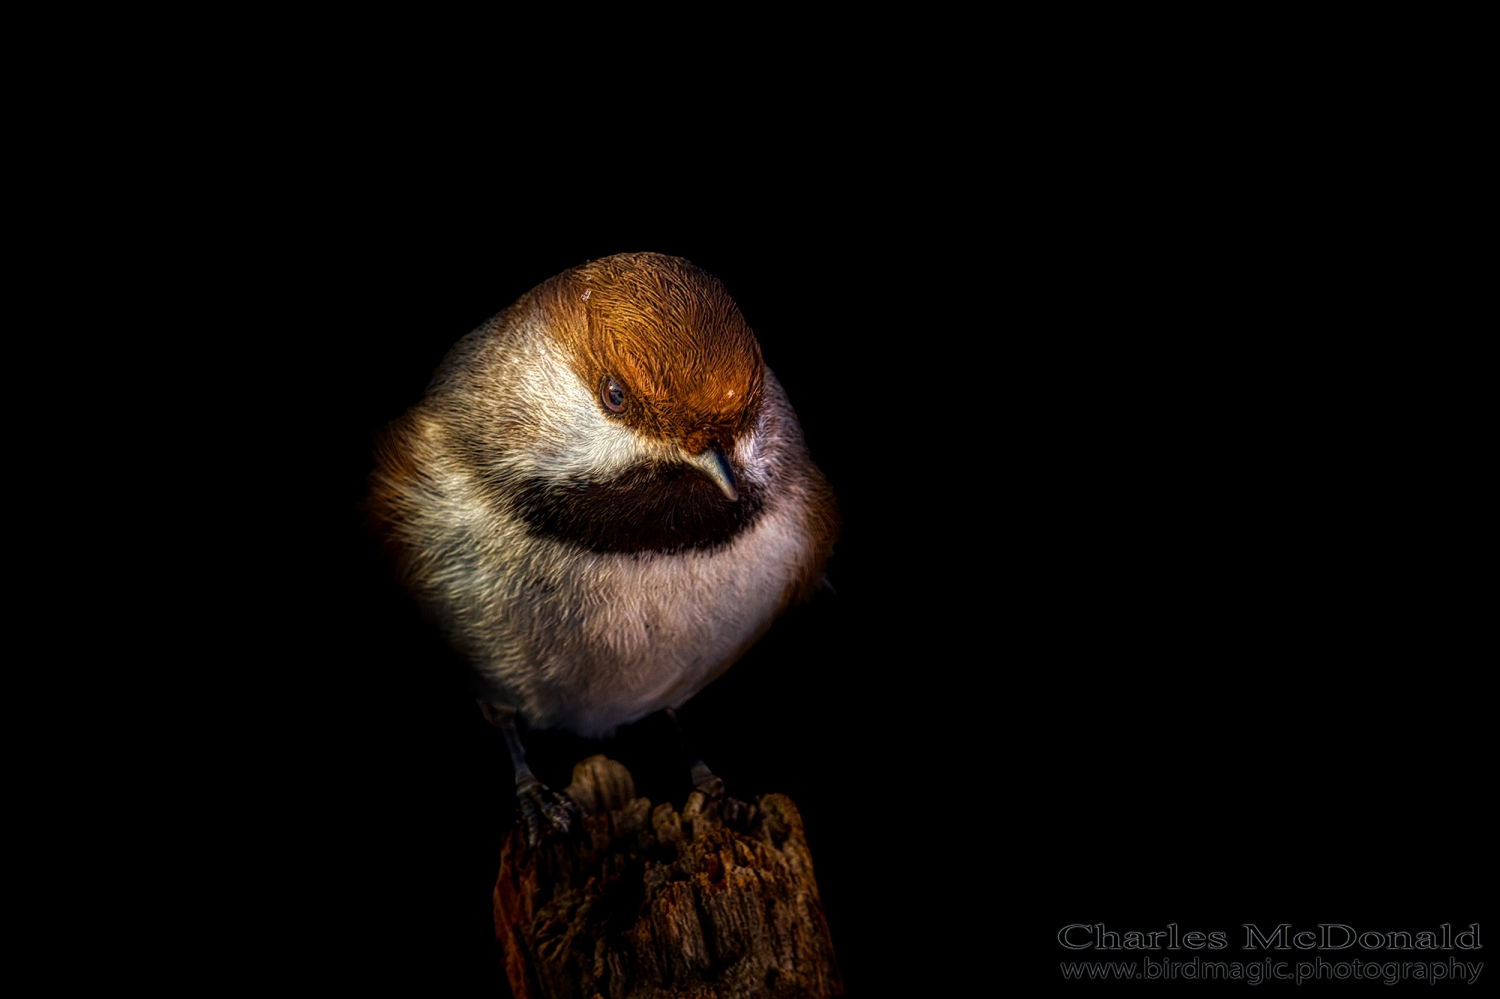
(649, 904)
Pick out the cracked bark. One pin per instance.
(649, 903)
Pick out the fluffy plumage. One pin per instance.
(590, 566)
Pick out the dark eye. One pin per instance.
(612, 395)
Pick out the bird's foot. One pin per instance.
(710, 813)
(734, 812)
(542, 807)
(706, 783)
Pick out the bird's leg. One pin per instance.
(705, 780)
(537, 801)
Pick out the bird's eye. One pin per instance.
(612, 395)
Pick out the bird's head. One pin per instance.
(620, 406)
(671, 357)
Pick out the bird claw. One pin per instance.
(732, 811)
(541, 806)
(706, 783)
(735, 813)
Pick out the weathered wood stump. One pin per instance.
(649, 904)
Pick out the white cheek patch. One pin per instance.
(566, 433)
(755, 452)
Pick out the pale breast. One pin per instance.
(660, 627)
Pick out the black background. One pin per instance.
(1148, 377)
(1142, 614)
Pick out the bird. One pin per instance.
(602, 501)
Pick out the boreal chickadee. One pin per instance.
(603, 500)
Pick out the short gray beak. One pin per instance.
(714, 463)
